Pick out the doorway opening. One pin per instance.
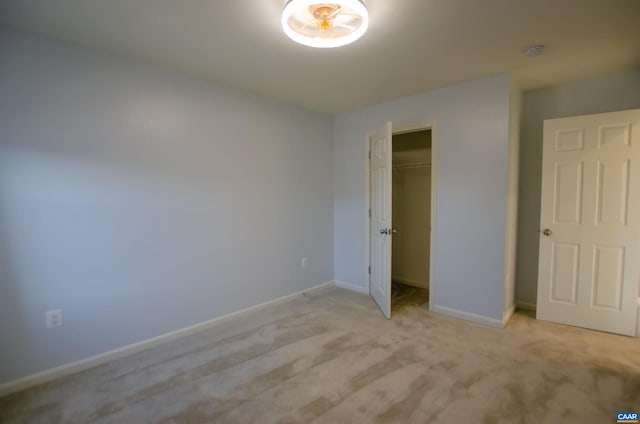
(411, 219)
(416, 156)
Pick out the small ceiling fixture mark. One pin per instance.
(534, 50)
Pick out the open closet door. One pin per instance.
(380, 221)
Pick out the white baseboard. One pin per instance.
(525, 306)
(506, 316)
(479, 319)
(83, 364)
(352, 287)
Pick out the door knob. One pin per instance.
(547, 232)
(384, 231)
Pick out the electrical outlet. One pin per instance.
(53, 318)
(304, 262)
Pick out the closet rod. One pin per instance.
(413, 165)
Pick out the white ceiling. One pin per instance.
(412, 46)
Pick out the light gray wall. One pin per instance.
(141, 201)
(472, 171)
(609, 93)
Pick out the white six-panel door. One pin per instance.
(380, 222)
(589, 263)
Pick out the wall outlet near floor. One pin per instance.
(53, 318)
(304, 262)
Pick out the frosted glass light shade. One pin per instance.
(320, 24)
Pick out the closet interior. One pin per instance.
(411, 218)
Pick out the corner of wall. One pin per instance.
(638, 324)
(515, 107)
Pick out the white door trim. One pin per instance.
(434, 201)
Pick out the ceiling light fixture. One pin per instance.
(325, 24)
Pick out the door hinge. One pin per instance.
(369, 154)
(369, 270)
(369, 213)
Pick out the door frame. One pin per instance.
(434, 197)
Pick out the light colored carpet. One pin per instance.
(331, 357)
